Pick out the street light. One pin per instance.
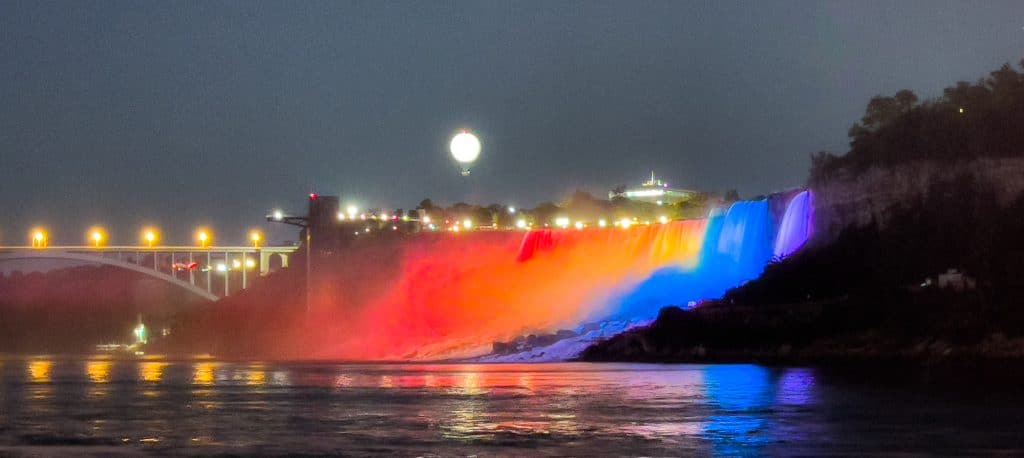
(255, 237)
(203, 237)
(96, 236)
(149, 235)
(38, 238)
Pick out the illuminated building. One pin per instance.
(654, 191)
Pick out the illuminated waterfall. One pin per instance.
(461, 292)
(795, 229)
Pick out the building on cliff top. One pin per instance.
(654, 191)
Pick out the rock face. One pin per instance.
(849, 200)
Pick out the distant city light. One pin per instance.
(250, 263)
(645, 193)
(426, 219)
(467, 223)
(236, 263)
(663, 219)
(278, 215)
(221, 267)
(579, 224)
(140, 333)
(562, 222)
(512, 210)
(602, 223)
(625, 223)
(352, 210)
(341, 216)
(255, 237)
(521, 223)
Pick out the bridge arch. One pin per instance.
(94, 259)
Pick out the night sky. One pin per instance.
(178, 114)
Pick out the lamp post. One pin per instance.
(303, 222)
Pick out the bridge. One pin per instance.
(196, 269)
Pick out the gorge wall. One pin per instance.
(875, 195)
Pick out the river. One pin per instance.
(58, 406)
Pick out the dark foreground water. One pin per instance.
(103, 407)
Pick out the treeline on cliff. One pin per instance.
(969, 120)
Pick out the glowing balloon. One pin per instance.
(465, 148)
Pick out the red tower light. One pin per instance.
(312, 196)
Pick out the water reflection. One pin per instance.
(203, 373)
(39, 371)
(740, 396)
(728, 410)
(98, 371)
(796, 387)
(256, 377)
(152, 371)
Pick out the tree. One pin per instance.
(821, 165)
(881, 111)
(546, 212)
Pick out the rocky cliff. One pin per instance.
(875, 195)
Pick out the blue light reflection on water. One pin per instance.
(740, 396)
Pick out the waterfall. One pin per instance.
(796, 225)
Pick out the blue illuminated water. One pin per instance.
(79, 406)
(796, 226)
(737, 245)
